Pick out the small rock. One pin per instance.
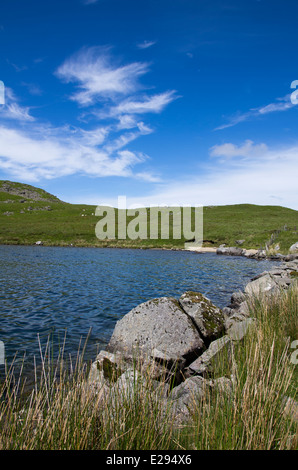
(291, 408)
(231, 251)
(224, 386)
(294, 248)
(237, 326)
(186, 396)
(202, 365)
(237, 298)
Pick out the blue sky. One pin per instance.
(166, 102)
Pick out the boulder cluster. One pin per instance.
(179, 341)
(258, 254)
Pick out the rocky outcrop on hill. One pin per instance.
(26, 192)
(180, 341)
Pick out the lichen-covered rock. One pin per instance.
(107, 367)
(158, 328)
(208, 318)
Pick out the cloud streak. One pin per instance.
(12, 110)
(281, 104)
(146, 44)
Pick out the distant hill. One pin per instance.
(25, 191)
(29, 214)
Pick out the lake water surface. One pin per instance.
(57, 291)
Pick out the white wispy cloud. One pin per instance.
(52, 153)
(145, 44)
(33, 88)
(281, 104)
(97, 77)
(247, 150)
(110, 92)
(152, 104)
(12, 110)
(261, 176)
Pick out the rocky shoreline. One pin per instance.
(255, 254)
(179, 340)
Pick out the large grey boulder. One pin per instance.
(208, 318)
(158, 328)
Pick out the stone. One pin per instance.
(240, 242)
(208, 318)
(107, 368)
(237, 298)
(263, 284)
(291, 257)
(244, 309)
(228, 312)
(231, 251)
(237, 326)
(224, 386)
(291, 408)
(294, 248)
(39, 243)
(186, 396)
(261, 254)
(158, 328)
(203, 364)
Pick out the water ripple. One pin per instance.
(50, 291)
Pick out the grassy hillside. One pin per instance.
(29, 214)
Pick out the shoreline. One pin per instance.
(227, 251)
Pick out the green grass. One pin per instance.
(74, 224)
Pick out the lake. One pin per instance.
(68, 291)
